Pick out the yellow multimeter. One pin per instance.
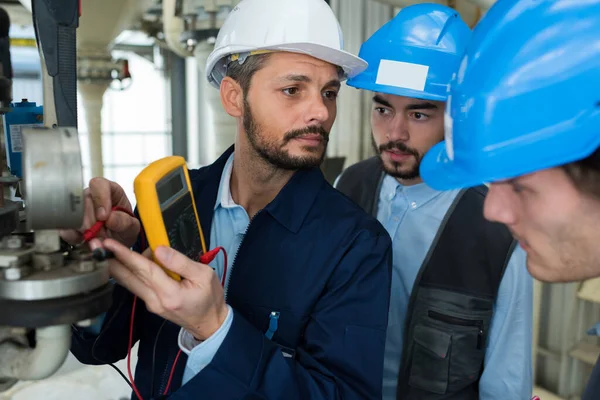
(166, 206)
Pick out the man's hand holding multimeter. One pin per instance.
(196, 302)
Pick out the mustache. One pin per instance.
(398, 146)
(309, 130)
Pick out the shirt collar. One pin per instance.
(224, 198)
(417, 195)
(291, 205)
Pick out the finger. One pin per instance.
(146, 270)
(118, 196)
(148, 253)
(100, 191)
(94, 244)
(180, 264)
(75, 236)
(119, 221)
(71, 236)
(126, 278)
(89, 215)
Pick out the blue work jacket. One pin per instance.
(310, 255)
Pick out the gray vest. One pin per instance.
(451, 305)
(592, 390)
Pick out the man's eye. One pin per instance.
(419, 116)
(290, 91)
(380, 110)
(331, 94)
(517, 188)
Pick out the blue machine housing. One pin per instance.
(23, 115)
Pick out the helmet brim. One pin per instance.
(441, 173)
(351, 64)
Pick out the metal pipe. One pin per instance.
(173, 27)
(92, 97)
(483, 4)
(178, 86)
(26, 4)
(51, 350)
(217, 129)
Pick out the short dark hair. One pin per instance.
(585, 173)
(243, 73)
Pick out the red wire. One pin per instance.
(171, 374)
(129, 346)
(224, 267)
(206, 258)
(92, 232)
(210, 255)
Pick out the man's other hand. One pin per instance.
(100, 197)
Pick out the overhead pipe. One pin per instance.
(216, 128)
(92, 97)
(483, 4)
(26, 4)
(173, 27)
(468, 10)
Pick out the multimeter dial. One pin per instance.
(183, 233)
(182, 228)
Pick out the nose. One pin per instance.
(318, 112)
(499, 204)
(398, 128)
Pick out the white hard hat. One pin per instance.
(297, 26)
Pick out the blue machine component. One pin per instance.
(24, 114)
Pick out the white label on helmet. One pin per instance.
(448, 131)
(402, 74)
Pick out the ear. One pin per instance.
(232, 97)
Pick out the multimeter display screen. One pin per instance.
(170, 186)
(178, 214)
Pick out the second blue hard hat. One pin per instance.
(415, 54)
(526, 96)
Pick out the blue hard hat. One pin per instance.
(526, 96)
(415, 54)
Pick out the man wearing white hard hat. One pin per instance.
(298, 308)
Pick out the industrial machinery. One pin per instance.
(45, 285)
(188, 23)
(470, 11)
(189, 28)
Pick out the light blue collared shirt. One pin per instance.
(229, 225)
(412, 216)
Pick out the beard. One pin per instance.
(273, 152)
(393, 168)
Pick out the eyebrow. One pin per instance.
(411, 107)
(295, 78)
(335, 83)
(421, 106)
(380, 100)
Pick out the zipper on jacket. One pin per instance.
(273, 324)
(461, 322)
(230, 274)
(165, 376)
